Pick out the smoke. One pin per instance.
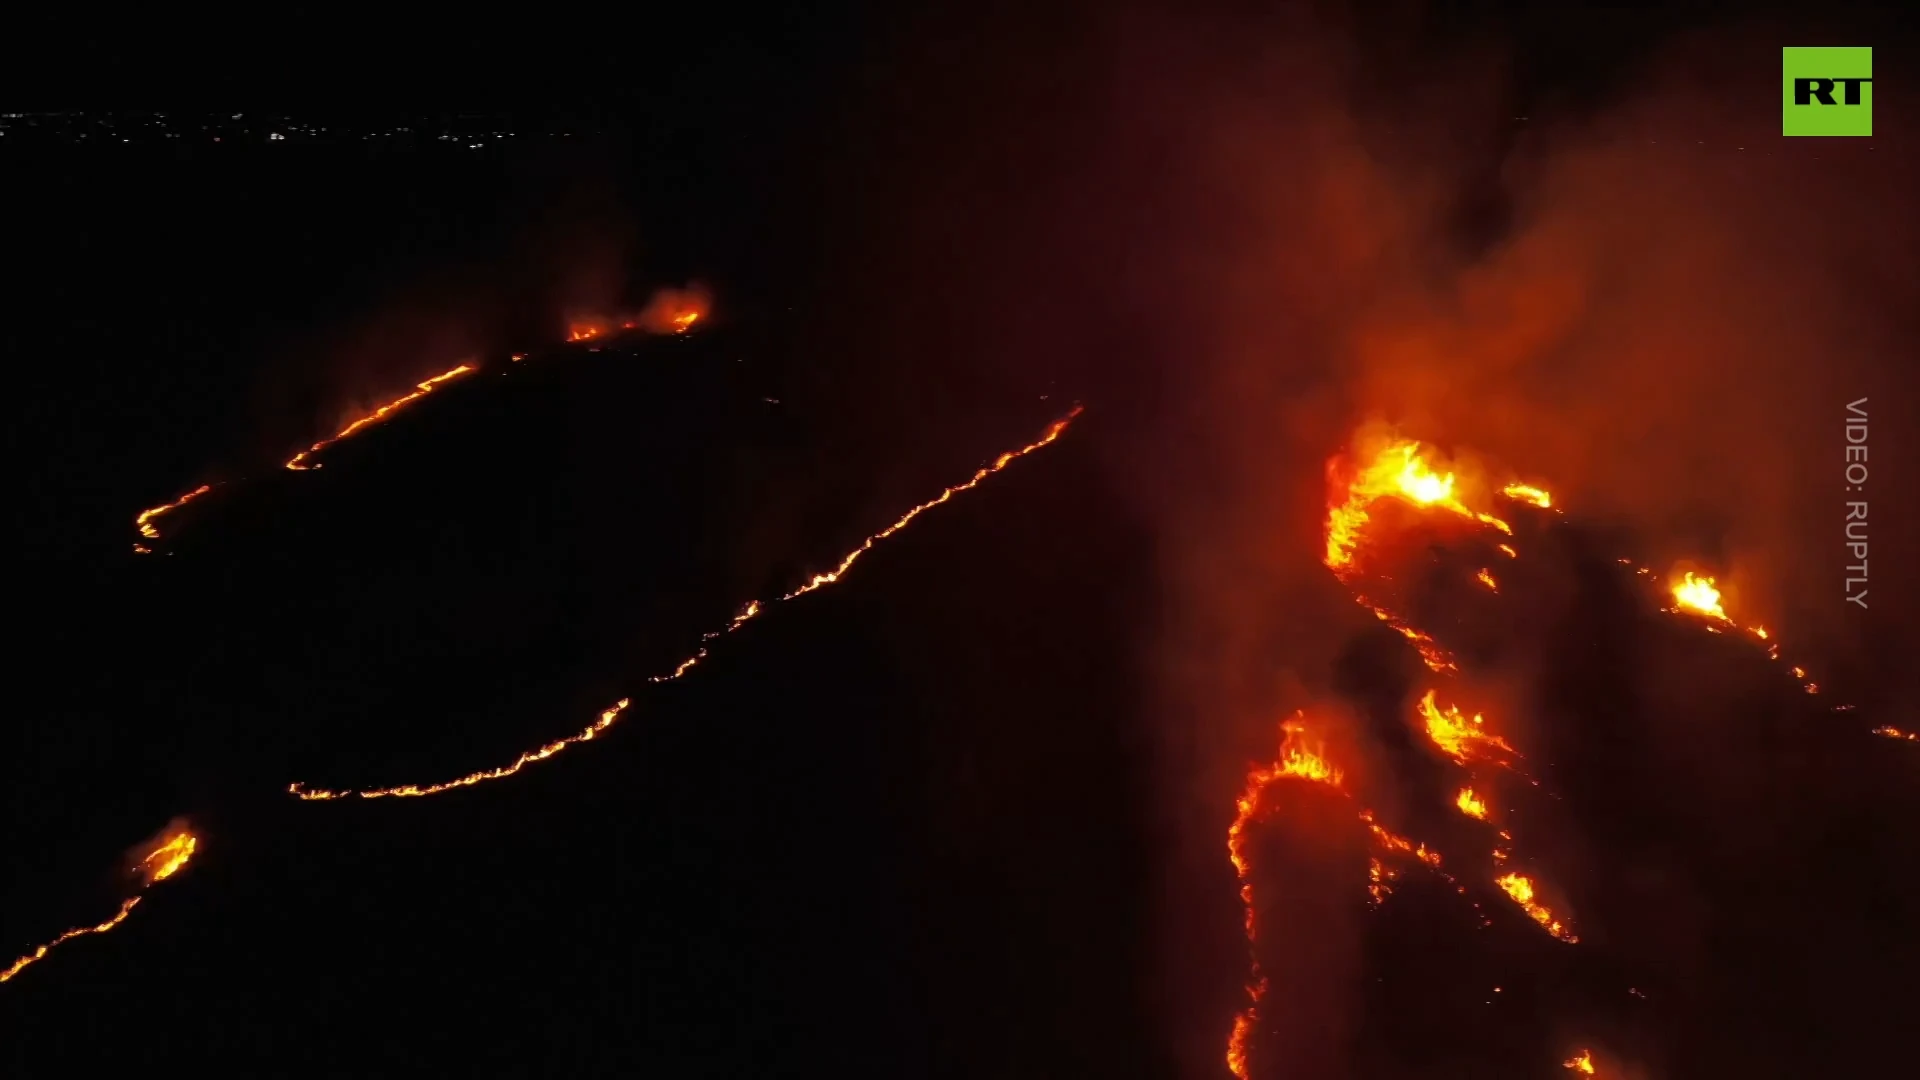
(1247, 240)
(1659, 309)
(667, 311)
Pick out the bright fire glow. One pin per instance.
(1297, 760)
(1891, 732)
(1528, 494)
(1699, 594)
(300, 460)
(1581, 1063)
(159, 863)
(746, 614)
(144, 520)
(1401, 472)
(1455, 734)
(1471, 804)
(1520, 888)
(1485, 577)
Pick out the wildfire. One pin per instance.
(1891, 732)
(1457, 736)
(1295, 761)
(670, 311)
(1054, 431)
(1699, 594)
(1581, 1063)
(158, 864)
(1431, 654)
(1520, 888)
(1485, 577)
(1471, 804)
(144, 520)
(167, 860)
(1399, 472)
(608, 717)
(1529, 494)
(299, 461)
(1394, 842)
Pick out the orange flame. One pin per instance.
(299, 461)
(1581, 1063)
(1485, 577)
(1699, 594)
(1054, 431)
(157, 865)
(670, 311)
(1520, 888)
(1296, 761)
(1457, 736)
(1891, 732)
(1401, 472)
(1527, 493)
(144, 520)
(1471, 804)
(746, 614)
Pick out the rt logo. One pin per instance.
(1826, 91)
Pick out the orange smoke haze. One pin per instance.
(669, 311)
(1647, 331)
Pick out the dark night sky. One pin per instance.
(919, 824)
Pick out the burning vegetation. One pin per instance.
(154, 862)
(1360, 546)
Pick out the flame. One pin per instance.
(1471, 804)
(608, 717)
(1394, 842)
(1400, 472)
(299, 461)
(1296, 760)
(144, 520)
(1485, 577)
(167, 859)
(1699, 594)
(1054, 431)
(157, 865)
(1891, 732)
(1529, 494)
(1581, 1063)
(1520, 888)
(1431, 654)
(40, 953)
(1507, 550)
(669, 311)
(1457, 736)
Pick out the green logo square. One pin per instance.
(1827, 91)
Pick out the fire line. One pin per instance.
(157, 865)
(299, 461)
(746, 614)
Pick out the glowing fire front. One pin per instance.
(746, 614)
(1300, 761)
(1402, 472)
(304, 459)
(162, 860)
